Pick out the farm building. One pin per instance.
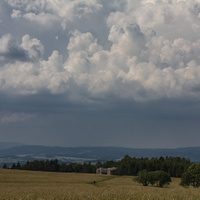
(109, 171)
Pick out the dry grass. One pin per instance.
(26, 185)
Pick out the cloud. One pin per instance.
(150, 50)
(10, 50)
(48, 12)
(7, 118)
(16, 13)
(33, 46)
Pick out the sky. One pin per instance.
(100, 73)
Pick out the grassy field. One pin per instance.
(27, 185)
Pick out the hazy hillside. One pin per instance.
(86, 154)
(7, 145)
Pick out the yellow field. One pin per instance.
(27, 185)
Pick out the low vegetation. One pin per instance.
(30, 185)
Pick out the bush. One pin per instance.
(161, 178)
(158, 178)
(186, 179)
(143, 177)
(191, 176)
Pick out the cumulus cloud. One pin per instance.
(33, 46)
(9, 49)
(46, 12)
(151, 52)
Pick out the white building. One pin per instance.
(109, 171)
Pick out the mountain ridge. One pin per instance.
(83, 154)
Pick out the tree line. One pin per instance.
(174, 166)
(54, 166)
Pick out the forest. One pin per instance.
(174, 166)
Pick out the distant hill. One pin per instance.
(85, 154)
(7, 145)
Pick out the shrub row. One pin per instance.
(156, 178)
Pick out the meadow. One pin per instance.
(29, 185)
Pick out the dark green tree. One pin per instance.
(186, 179)
(13, 166)
(162, 178)
(143, 177)
(152, 178)
(18, 166)
(5, 166)
(98, 164)
(194, 170)
(158, 178)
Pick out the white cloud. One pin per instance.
(4, 43)
(16, 13)
(46, 12)
(152, 52)
(33, 46)
(44, 19)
